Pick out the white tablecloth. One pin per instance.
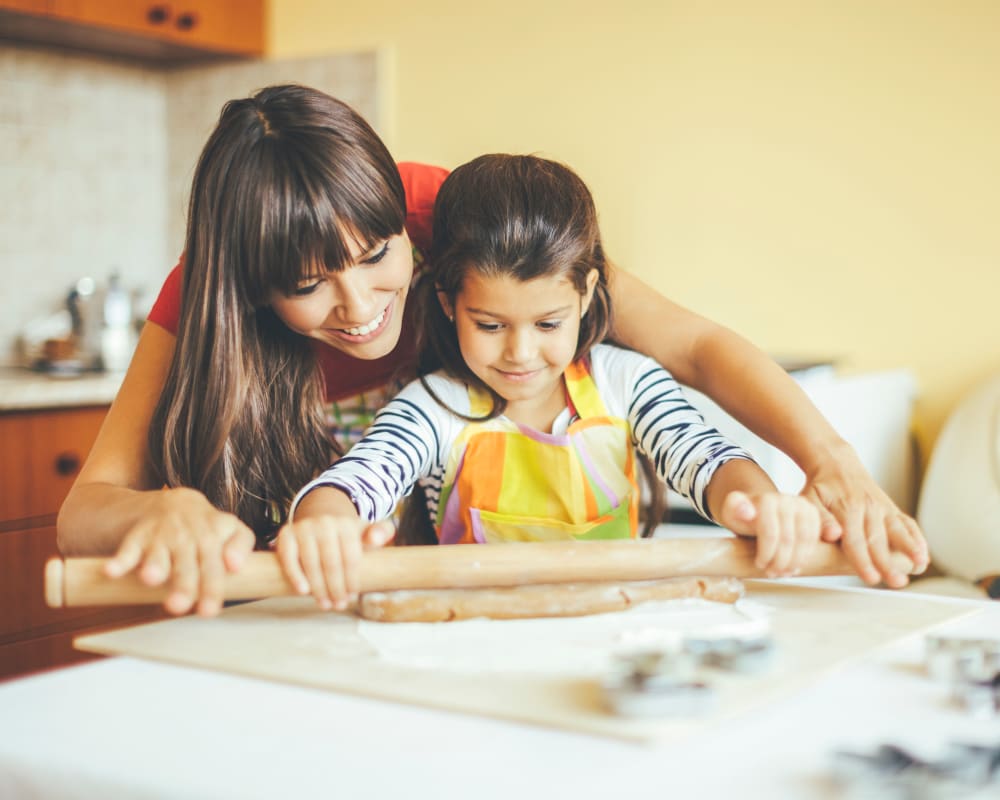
(129, 728)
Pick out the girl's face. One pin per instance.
(358, 310)
(519, 337)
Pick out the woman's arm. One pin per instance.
(757, 392)
(116, 503)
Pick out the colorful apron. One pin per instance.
(506, 482)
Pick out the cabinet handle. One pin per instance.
(67, 464)
(186, 21)
(158, 14)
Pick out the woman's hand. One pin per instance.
(184, 540)
(787, 528)
(855, 511)
(321, 555)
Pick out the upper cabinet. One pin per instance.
(166, 31)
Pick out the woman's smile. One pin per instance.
(357, 310)
(369, 330)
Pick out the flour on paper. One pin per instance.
(563, 646)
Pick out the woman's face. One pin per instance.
(358, 310)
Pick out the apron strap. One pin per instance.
(583, 398)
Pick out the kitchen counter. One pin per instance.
(26, 390)
(99, 731)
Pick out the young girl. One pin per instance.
(526, 431)
(218, 421)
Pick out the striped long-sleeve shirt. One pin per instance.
(410, 439)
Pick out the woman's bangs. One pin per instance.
(310, 227)
(370, 208)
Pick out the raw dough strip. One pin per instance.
(539, 600)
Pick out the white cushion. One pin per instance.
(872, 411)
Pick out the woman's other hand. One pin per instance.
(856, 512)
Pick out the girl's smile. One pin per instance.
(518, 337)
(519, 377)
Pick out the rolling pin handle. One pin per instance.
(55, 572)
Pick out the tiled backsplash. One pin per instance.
(96, 158)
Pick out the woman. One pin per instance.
(300, 250)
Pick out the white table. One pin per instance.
(129, 728)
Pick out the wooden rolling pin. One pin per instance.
(82, 582)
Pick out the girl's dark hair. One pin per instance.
(519, 216)
(522, 217)
(289, 178)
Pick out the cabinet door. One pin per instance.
(40, 456)
(228, 26)
(32, 635)
(61, 441)
(143, 17)
(222, 26)
(26, 6)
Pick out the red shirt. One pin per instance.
(346, 376)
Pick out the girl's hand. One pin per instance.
(855, 511)
(322, 555)
(187, 541)
(787, 528)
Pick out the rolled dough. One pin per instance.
(542, 600)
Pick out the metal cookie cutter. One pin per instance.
(887, 766)
(747, 656)
(891, 771)
(981, 698)
(950, 658)
(656, 684)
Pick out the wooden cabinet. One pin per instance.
(161, 30)
(29, 6)
(41, 453)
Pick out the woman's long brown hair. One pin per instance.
(287, 179)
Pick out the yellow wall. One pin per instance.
(821, 176)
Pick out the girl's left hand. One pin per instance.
(787, 528)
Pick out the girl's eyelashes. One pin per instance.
(546, 326)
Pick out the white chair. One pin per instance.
(960, 500)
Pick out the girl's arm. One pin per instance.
(405, 441)
(761, 395)
(335, 517)
(116, 503)
(320, 551)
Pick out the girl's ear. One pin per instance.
(449, 312)
(592, 277)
